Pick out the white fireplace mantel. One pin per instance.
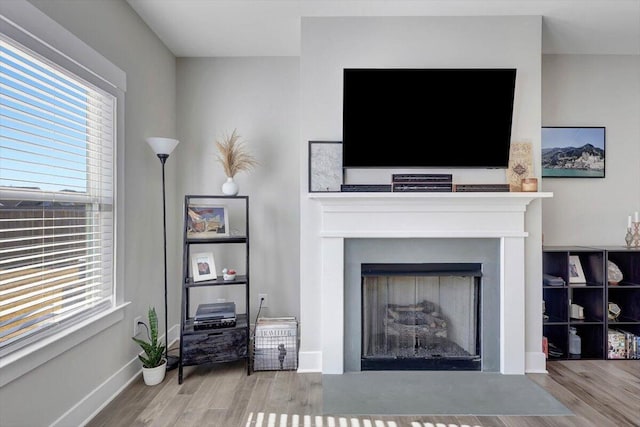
(425, 215)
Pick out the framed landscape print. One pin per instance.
(573, 152)
(207, 221)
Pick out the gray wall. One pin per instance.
(259, 97)
(594, 90)
(84, 374)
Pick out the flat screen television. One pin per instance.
(427, 118)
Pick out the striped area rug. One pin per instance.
(261, 419)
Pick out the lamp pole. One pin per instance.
(163, 147)
(171, 363)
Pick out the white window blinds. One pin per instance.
(57, 138)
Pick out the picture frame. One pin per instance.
(207, 221)
(573, 152)
(325, 166)
(576, 273)
(203, 266)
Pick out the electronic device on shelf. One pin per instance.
(215, 315)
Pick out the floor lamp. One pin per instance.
(163, 147)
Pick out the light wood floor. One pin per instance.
(599, 393)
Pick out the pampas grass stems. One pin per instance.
(233, 155)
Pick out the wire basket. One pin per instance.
(275, 344)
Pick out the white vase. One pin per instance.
(230, 187)
(153, 376)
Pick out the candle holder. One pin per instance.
(635, 238)
(629, 237)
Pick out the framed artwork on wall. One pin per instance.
(325, 166)
(573, 152)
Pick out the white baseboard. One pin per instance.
(309, 361)
(86, 409)
(535, 363)
(83, 411)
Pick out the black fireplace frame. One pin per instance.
(379, 363)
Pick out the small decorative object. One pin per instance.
(233, 155)
(153, 361)
(577, 312)
(203, 267)
(628, 238)
(554, 351)
(613, 311)
(230, 187)
(616, 344)
(205, 221)
(573, 152)
(530, 184)
(228, 274)
(520, 165)
(576, 274)
(575, 343)
(613, 273)
(325, 166)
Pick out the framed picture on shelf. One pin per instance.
(207, 221)
(576, 274)
(573, 152)
(203, 266)
(325, 166)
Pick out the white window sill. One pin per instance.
(18, 363)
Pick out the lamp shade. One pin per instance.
(161, 145)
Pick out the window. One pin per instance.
(57, 180)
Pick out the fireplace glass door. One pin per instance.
(421, 316)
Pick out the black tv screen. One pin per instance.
(412, 118)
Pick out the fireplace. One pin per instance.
(421, 316)
(424, 217)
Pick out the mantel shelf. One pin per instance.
(429, 195)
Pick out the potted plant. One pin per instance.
(154, 363)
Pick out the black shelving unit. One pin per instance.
(589, 295)
(626, 293)
(217, 345)
(593, 296)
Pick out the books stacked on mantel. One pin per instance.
(430, 182)
(275, 344)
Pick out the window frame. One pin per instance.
(30, 27)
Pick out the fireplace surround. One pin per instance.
(498, 216)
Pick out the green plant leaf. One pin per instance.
(153, 350)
